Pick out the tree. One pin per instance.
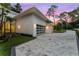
(76, 13)
(64, 16)
(6, 8)
(51, 12)
(4, 13)
(74, 17)
(5, 5)
(18, 8)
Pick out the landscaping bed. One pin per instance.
(5, 47)
(60, 31)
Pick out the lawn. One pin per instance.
(5, 48)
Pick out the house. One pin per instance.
(32, 22)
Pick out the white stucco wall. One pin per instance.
(28, 25)
(37, 20)
(25, 25)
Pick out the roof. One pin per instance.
(32, 10)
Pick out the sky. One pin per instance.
(43, 7)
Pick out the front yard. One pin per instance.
(5, 48)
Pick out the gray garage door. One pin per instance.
(40, 29)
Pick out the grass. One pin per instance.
(5, 48)
(4, 51)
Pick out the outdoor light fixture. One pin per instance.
(47, 27)
(34, 25)
(19, 26)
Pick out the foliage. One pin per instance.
(69, 26)
(5, 48)
(74, 15)
(6, 8)
(6, 5)
(17, 8)
(77, 26)
(51, 12)
(59, 28)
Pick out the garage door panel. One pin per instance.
(40, 29)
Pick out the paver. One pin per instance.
(53, 44)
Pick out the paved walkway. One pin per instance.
(55, 44)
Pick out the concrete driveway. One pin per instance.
(54, 44)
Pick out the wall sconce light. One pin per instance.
(34, 25)
(19, 26)
(47, 27)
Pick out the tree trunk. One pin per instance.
(4, 28)
(15, 27)
(10, 27)
(10, 30)
(66, 22)
(54, 20)
(2, 21)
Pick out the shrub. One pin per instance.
(69, 26)
(59, 28)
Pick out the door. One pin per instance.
(40, 29)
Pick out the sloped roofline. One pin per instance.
(32, 10)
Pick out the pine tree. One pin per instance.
(18, 8)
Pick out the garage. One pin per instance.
(40, 29)
(31, 22)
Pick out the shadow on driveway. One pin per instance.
(77, 43)
(13, 52)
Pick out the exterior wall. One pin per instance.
(49, 28)
(37, 20)
(24, 25)
(27, 25)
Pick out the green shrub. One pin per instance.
(59, 28)
(69, 26)
(77, 26)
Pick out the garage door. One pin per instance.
(40, 29)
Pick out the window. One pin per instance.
(40, 29)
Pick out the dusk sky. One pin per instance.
(43, 7)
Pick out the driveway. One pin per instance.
(53, 44)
